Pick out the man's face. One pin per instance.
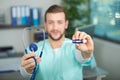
(55, 25)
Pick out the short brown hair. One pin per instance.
(55, 9)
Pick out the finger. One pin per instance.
(38, 59)
(28, 61)
(89, 43)
(73, 37)
(31, 63)
(85, 38)
(27, 56)
(30, 66)
(88, 38)
(81, 35)
(77, 33)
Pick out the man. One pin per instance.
(60, 60)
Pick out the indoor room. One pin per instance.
(23, 24)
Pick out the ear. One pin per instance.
(66, 24)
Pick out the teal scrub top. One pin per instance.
(60, 66)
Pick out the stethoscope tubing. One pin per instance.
(23, 39)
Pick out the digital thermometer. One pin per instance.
(77, 41)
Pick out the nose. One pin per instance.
(55, 26)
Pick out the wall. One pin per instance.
(43, 4)
(12, 37)
(107, 55)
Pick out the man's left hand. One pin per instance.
(87, 47)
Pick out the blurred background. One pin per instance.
(99, 18)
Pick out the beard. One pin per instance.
(58, 38)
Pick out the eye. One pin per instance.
(50, 22)
(60, 22)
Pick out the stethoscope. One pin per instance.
(33, 46)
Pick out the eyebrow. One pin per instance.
(55, 20)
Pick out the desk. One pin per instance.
(10, 64)
(9, 68)
(96, 72)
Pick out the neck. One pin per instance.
(56, 44)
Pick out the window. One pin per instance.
(105, 14)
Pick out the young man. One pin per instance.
(60, 60)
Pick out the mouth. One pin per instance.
(55, 32)
(55, 35)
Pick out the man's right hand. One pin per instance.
(28, 62)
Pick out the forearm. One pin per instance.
(86, 55)
(24, 73)
(29, 71)
(79, 56)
